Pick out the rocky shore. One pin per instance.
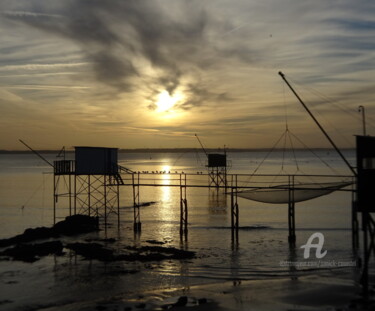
(21, 247)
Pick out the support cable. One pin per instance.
(315, 154)
(264, 159)
(318, 124)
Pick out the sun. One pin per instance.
(166, 102)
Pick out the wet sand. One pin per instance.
(304, 293)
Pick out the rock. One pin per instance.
(92, 251)
(155, 242)
(144, 204)
(163, 252)
(72, 225)
(107, 240)
(33, 252)
(28, 236)
(202, 301)
(76, 224)
(116, 273)
(140, 305)
(181, 302)
(36, 234)
(143, 254)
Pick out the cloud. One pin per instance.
(24, 14)
(38, 67)
(222, 55)
(117, 35)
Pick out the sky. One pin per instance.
(152, 73)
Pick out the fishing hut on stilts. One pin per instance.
(217, 172)
(90, 183)
(217, 165)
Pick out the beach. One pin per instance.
(306, 293)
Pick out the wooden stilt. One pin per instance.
(355, 224)
(137, 215)
(234, 210)
(291, 213)
(183, 207)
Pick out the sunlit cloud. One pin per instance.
(146, 73)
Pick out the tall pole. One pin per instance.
(362, 109)
(54, 198)
(318, 124)
(204, 150)
(36, 153)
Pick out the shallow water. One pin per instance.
(26, 187)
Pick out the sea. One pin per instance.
(260, 252)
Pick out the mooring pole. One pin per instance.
(237, 209)
(183, 207)
(54, 198)
(136, 211)
(118, 205)
(75, 194)
(291, 212)
(186, 208)
(70, 194)
(355, 224)
(89, 195)
(225, 169)
(105, 200)
(367, 251)
(234, 209)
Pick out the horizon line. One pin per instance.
(171, 150)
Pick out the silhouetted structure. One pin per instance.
(217, 169)
(366, 199)
(91, 180)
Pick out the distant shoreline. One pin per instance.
(175, 150)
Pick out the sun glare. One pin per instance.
(166, 101)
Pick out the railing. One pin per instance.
(244, 181)
(64, 167)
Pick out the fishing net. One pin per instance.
(286, 193)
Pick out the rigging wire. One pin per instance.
(286, 127)
(178, 158)
(284, 147)
(350, 112)
(335, 129)
(288, 136)
(293, 151)
(315, 154)
(327, 99)
(198, 158)
(264, 159)
(42, 184)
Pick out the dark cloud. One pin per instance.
(171, 81)
(198, 95)
(112, 70)
(169, 35)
